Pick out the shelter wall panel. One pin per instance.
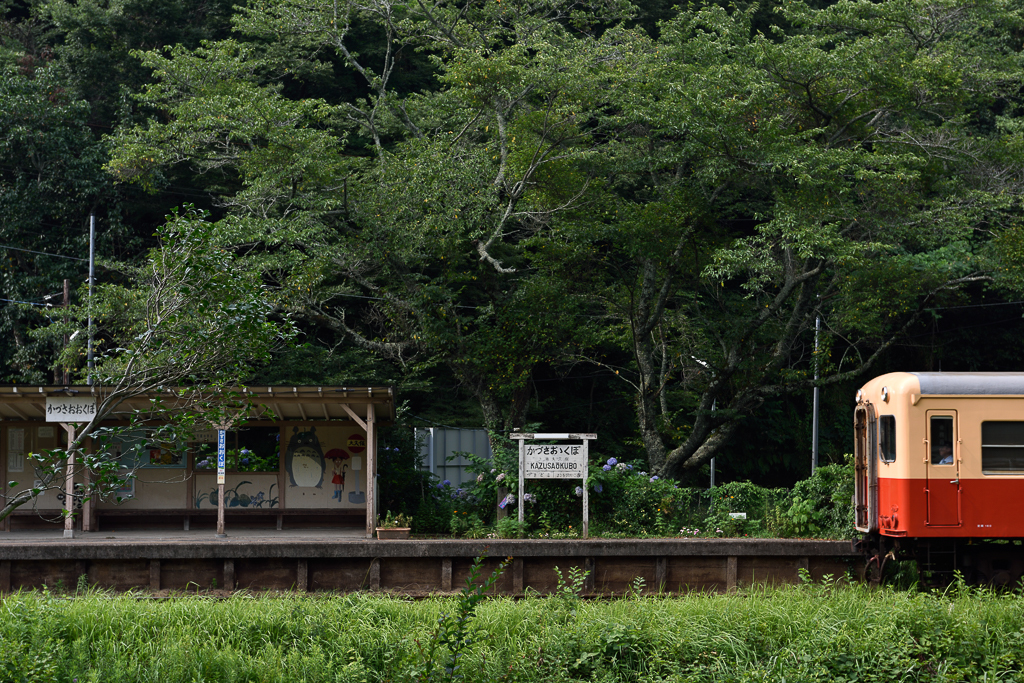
(698, 573)
(266, 573)
(119, 574)
(410, 575)
(338, 574)
(242, 490)
(311, 456)
(153, 491)
(185, 575)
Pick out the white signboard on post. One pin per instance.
(70, 408)
(221, 455)
(555, 462)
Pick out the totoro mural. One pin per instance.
(304, 459)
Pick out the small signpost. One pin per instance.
(221, 462)
(554, 461)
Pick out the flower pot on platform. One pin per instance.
(393, 534)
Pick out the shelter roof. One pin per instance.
(23, 402)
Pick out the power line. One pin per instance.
(30, 303)
(43, 253)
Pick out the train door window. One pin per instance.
(941, 439)
(887, 437)
(1002, 447)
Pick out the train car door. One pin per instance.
(942, 464)
(866, 476)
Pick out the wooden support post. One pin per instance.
(229, 575)
(69, 482)
(280, 522)
(446, 574)
(220, 511)
(154, 575)
(586, 492)
(660, 574)
(517, 576)
(88, 508)
(371, 470)
(5, 576)
(302, 577)
(375, 574)
(590, 567)
(522, 479)
(731, 570)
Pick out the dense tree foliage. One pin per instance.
(543, 207)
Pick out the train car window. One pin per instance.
(887, 437)
(942, 440)
(1002, 446)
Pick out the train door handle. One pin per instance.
(954, 481)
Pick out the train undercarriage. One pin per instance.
(978, 561)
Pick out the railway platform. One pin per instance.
(343, 560)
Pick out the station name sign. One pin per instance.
(70, 408)
(555, 462)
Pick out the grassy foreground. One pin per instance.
(804, 633)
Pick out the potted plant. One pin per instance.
(394, 527)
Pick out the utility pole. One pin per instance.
(67, 305)
(814, 419)
(90, 362)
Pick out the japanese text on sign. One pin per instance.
(70, 408)
(554, 462)
(221, 455)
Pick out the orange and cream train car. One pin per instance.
(940, 473)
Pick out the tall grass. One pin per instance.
(805, 633)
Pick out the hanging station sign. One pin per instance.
(70, 408)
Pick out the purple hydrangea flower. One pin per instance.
(579, 490)
(612, 462)
(654, 478)
(598, 488)
(607, 468)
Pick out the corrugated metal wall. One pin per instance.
(440, 443)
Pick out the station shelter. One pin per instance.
(305, 456)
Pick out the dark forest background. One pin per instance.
(610, 217)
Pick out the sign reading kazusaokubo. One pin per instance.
(70, 408)
(555, 462)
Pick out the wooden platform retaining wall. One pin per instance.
(420, 567)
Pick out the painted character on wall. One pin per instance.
(304, 459)
(337, 456)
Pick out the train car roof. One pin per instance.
(970, 382)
